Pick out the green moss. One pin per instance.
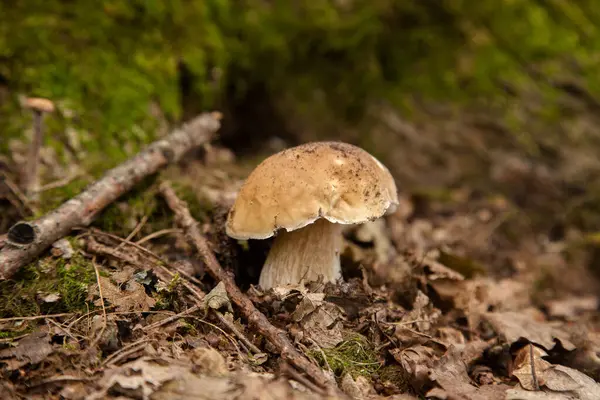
(355, 355)
(21, 296)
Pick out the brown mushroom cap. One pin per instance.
(39, 104)
(291, 189)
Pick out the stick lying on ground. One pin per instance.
(26, 240)
(277, 337)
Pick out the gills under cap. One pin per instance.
(291, 189)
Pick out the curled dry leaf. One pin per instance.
(528, 325)
(218, 298)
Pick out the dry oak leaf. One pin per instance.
(133, 298)
(515, 326)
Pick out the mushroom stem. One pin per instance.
(303, 255)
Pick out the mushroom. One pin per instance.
(38, 106)
(304, 195)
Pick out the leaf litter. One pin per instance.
(437, 302)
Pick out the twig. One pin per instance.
(157, 234)
(57, 184)
(166, 275)
(33, 318)
(126, 351)
(135, 231)
(172, 318)
(104, 319)
(18, 194)
(255, 318)
(293, 374)
(26, 240)
(536, 384)
(237, 332)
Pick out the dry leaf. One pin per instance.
(421, 318)
(62, 248)
(133, 298)
(530, 367)
(324, 325)
(309, 303)
(450, 373)
(218, 298)
(416, 362)
(32, 349)
(570, 307)
(514, 326)
(209, 361)
(559, 383)
(359, 388)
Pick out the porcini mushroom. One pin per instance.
(304, 195)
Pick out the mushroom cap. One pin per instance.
(293, 188)
(39, 104)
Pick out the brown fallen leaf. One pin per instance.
(138, 379)
(324, 325)
(559, 383)
(132, 298)
(418, 321)
(416, 361)
(32, 349)
(309, 303)
(570, 307)
(450, 374)
(530, 367)
(528, 325)
(358, 388)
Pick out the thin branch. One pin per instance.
(59, 183)
(104, 319)
(163, 273)
(237, 332)
(135, 231)
(158, 234)
(277, 337)
(27, 240)
(172, 318)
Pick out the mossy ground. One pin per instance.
(355, 355)
(22, 296)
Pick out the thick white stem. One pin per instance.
(303, 255)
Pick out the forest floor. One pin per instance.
(454, 296)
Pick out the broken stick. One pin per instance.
(277, 337)
(26, 240)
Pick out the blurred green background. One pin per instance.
(500, 95)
